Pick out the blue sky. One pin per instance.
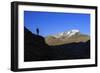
(54, 22)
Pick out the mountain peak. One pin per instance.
(73, 32)
(67, 33)
(72, 36)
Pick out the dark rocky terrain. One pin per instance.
(36, 49)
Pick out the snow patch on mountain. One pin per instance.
(67, 34)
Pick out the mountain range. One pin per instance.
(36, 49)
(72, 36)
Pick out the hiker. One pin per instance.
(37, 31)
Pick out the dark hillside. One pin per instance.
(35, 49)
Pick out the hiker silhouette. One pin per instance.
(37, 31)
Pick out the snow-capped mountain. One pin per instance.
(67, 34)
(72, 36)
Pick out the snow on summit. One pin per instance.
(67, 33)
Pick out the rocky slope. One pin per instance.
(73, 36)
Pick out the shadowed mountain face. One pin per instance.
(36, 49)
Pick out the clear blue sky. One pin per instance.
(52, 22)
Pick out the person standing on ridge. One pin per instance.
(37, 31)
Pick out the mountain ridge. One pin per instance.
(66, 37)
